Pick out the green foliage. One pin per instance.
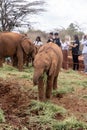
(84, 96)
(70, 123)
(44, 113)
(2, 117)
(63, 90)
(44, 116)
(71, 79)
(71, 30)
(8, 71)
(10, 127)
(47, 107)
(8, 68)
(48, 115)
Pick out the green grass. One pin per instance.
(63, 90)
(2, 117)
(8, 71)
(45, 115)
(84, 96)
(72, 78)
(70, 123)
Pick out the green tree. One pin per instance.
(71, 30)
(74, 29)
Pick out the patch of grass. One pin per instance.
(44, 113)
(8, 71)
(29, 69)
(25, 76)
(72, 78)
(85, 116)
(2, 117)
(70, 123)
(10, 127)
(84, 96)
(63, 90)
(8, 68)
(47, 107)
(47, 115)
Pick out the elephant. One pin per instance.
(49, 61)
(31, 56)
(14, 45)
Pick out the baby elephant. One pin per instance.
(48, 60)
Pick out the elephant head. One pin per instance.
(43, 63)
(27, 45)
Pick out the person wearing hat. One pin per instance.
(50, 37)
(57, 39)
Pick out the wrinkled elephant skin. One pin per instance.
(13, 45)
(48, 60)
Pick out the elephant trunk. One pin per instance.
(35, 80)
(36, 77)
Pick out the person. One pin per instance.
(8, 60)
(65, 48)
(57, 39)
(84, 52)
(38, 41)
(75, 49)
(50, 37)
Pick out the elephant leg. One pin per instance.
(27, 61)
(14, 61)
(55, 83)
(33, 56)
(41, 90)
(25, 58)
(49, 87)
(1, 62)
(20, 60)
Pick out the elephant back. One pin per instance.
(10, 38)
(53, 51)
(50, 46)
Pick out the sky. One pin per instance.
(60, 13)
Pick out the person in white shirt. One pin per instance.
(84, 52)
(65, 48)
(38, 41)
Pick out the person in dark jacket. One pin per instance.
(50, 39)
(75, 50)
(57, 39)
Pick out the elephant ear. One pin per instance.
(52, 68)
(25, 45)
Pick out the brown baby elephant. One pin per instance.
(14, 45)
(48, 60)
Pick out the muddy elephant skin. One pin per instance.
(31, 56)
(14, 45)
(48, 60)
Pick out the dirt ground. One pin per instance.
(14, 101)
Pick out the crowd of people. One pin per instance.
(67, 44)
